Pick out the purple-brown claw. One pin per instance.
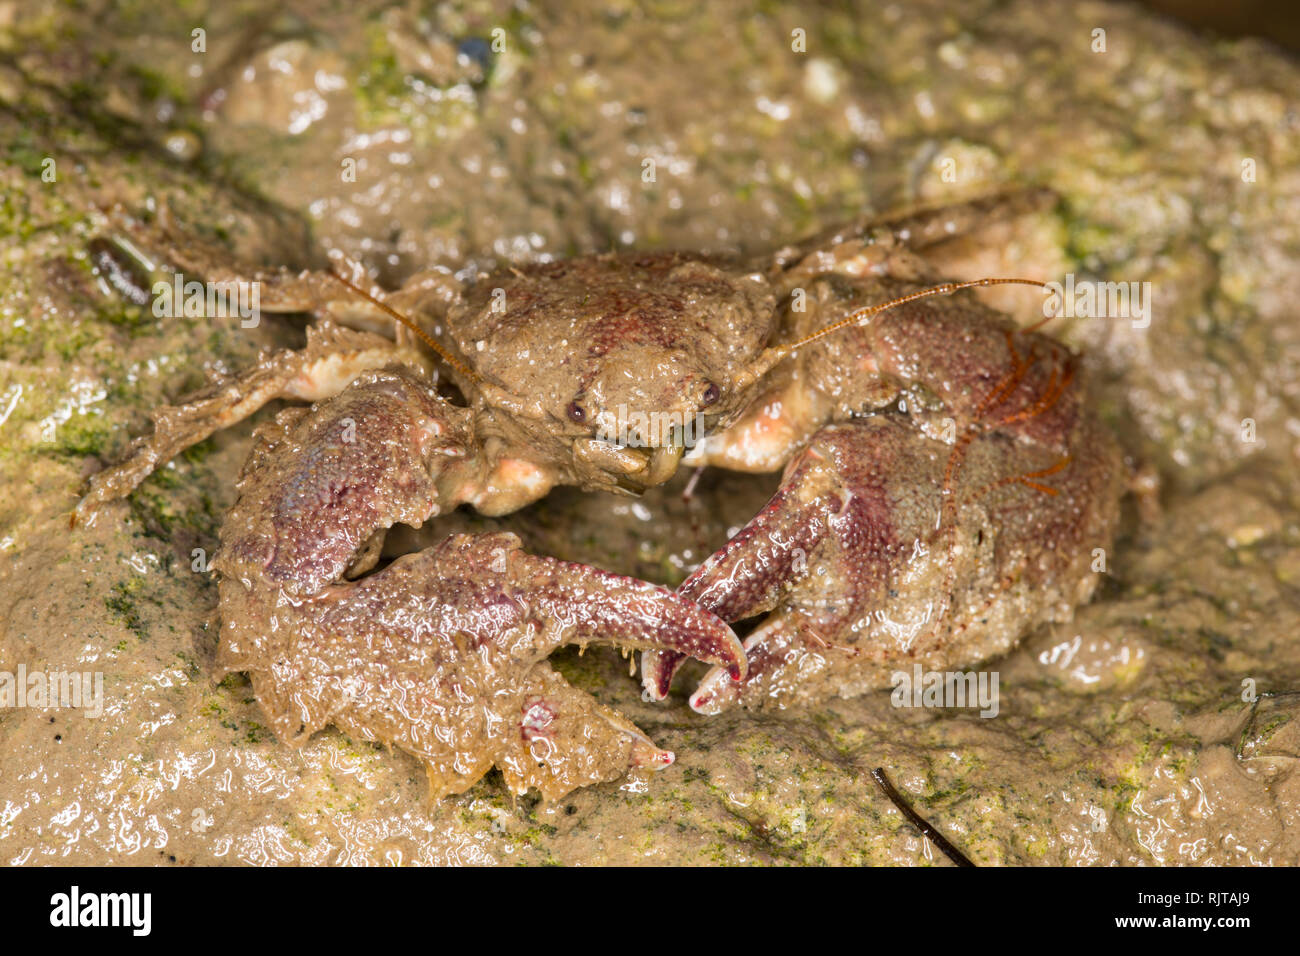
(591, 604)
(778, 657)
(754, 569)
(442, 652)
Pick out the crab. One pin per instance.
(944, 487)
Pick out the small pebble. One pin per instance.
(183, 144)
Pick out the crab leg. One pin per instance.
(919, 230)
(332, 358)
(443, 652)
(282, 290)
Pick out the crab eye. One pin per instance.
(576, 413)
(711, 395)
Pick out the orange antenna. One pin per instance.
(948, 288)
(424, 336)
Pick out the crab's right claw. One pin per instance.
(589, 604)
(565, 739)
(443, 653)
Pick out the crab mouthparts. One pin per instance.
(663, 464)
(633, 469)
(657, 465)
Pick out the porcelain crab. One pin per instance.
(944, 485)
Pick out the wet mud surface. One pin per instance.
(1125, 736)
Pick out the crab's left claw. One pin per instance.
(754, 570)
(780, 654)
(822, 555)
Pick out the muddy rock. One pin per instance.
(1156, 727)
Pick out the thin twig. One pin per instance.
(937, 838)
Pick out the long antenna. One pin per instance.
(947, 288)
(424, 336)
